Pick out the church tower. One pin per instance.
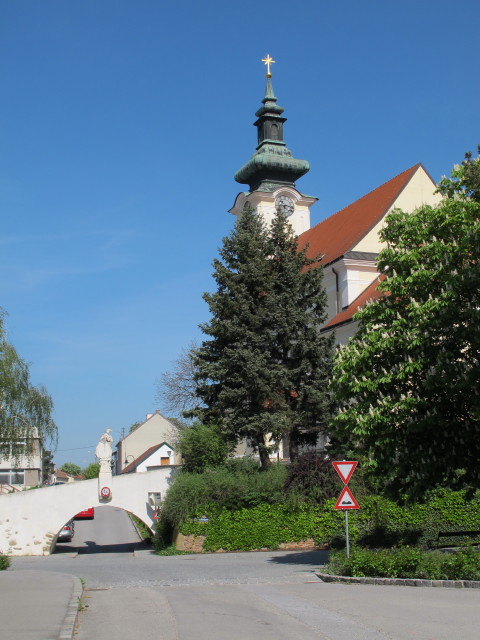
(272, 170)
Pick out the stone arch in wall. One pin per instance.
(31, 520)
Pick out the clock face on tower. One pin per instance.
(285, 205)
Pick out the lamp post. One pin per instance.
(127, 457)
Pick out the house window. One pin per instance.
(164, 460)
(7, 449)
(12, 476)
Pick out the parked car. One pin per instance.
(67, 533)
(86, 514)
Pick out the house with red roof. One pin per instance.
(160, 455)
(148, 444)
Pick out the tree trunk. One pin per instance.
(263, 453)
(293, 444)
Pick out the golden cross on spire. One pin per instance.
(268, 61)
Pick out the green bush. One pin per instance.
(163, 534)
(264, 526)
(379, 523)
(249, 508)
(237, 485)
(203, 446)
(312, 478)
(171, 550)
(383, 523)
(4, 562)
(406, 562)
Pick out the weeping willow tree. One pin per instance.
(25, 410)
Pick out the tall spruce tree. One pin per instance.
(263, 373)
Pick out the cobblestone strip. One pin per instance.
(402, 582)
(70, 620)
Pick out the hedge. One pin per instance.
(379, 522)
(407, 562)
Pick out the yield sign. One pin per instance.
(345, 469)
(346, 500)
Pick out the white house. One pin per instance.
(156, 432)
(25, 470)
(159, 455)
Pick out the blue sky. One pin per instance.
(123, 124)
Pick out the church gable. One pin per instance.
(343, 231)
(349, 240)
(419, 190)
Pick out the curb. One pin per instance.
(140, 553)
(135, 526)
(68, 625)
(402, 582)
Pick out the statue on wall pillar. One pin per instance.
(103, 450)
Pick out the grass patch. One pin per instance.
(173, 551)
(406, 562)
(142, 528)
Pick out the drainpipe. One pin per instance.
(337, 291)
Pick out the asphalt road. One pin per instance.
(251, 596)
(111, 530)
(133, 593)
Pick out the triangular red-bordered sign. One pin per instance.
(346, 500)
(345, 469)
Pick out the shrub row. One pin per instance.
(265, 526)
(379, 522)
(406, 562)
(237, 485)
(4, 562)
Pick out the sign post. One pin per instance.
(347, 539)
(346, 501)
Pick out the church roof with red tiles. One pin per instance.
(342, 231)
(370, 293)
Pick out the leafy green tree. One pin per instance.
(92, 470)
(25, 410)
(47, 465)
(263, 373)
(71, 468)
(408, 383)
(203, 446)
(464, 181)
